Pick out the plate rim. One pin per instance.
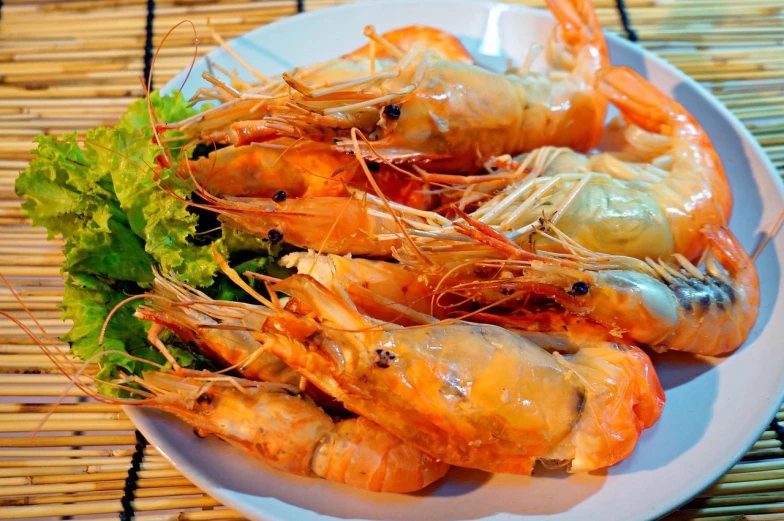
(144, 421)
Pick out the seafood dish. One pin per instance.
(372, 269)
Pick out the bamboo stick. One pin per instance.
(731, 510)
(66, 425)
(67, 453)
(139, 505)
(62, 350)
(97, 462)
(90, 440)
(68, 488)
(765, 453)
(742, 499)
(101, 476)
(752, 476)
(58, 416)
(42, 408)
(91, 469)
(205, 515)
(72, 91)
(33, 390)
(757, 466)
(35, 359)
(766, 444)
(744, 487)
(760, 517)
(102, 496)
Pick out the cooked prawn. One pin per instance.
(271, 423)
(676, 162)
(450, 115)
(651, 200)
(472, 395)
(285, 168)
(665, 305)
(240, 98)
(341, 225)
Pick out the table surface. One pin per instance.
(74, 65)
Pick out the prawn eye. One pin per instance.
(275, 236)
(373, 167)
(384, 357)
(204, 399)
(392, 111)
(279, 197)
(579, 288)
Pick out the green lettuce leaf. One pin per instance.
(122, 214)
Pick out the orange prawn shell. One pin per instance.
(710, 202)
(447, 46)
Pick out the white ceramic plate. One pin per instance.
(715, 410)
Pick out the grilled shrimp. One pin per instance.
(291, 434)
(341, 225)
(651, 200)
(665, 305)
(303, 169)
(241, 99)
(472, 395)
(452, 116)
(676, 162)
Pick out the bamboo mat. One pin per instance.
(74, 65)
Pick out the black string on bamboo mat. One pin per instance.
(133, 478)
(300, 6)
(148, 37)
(627, 24)
(778, 429)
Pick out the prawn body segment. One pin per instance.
(293, 435)
(447, 46)
(365, 280)
(695, 192)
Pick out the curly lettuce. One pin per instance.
(104, 196)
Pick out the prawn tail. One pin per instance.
(643, 104)
(731, 255)
(650, 397)
(723, 304)
(362, 454)
(623, 398)
(580, 27)
(740, 267)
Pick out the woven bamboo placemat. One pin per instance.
(73, 65)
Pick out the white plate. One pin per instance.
(715, 410)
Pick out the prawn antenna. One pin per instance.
(147, 86)
(355, 134)
(235, 277)
(768, 236)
